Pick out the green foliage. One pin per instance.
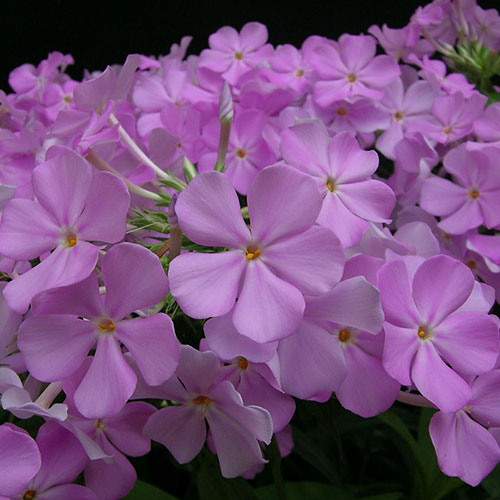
(151, 220)
(146, 491)
(478, 63)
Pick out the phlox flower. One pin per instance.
(350, 68)
(28, 80)
(233, 54)
(69, 321)
(236, 429)
(311, 360)
(342, 171)
(453, 117)
(113, 476)
(404, 106)
(63, 458)
(433, 321)
(268, 267)
(19, 460)
(247, 153)
(463, 446)
(474, 199)
(74, 208)
(254, 374)
(487, 125)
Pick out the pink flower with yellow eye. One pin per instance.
(73, 208)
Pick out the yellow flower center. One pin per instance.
(474, 193)
(342, 111)
(201, 400)
(242, 362)
(252, 254)
(351, 78)
(29, 495)
(344, 335)
(398, 116)
(299, 72)
(99, 425)
(330, 184)
(448, 130)
(106, 326)
(423, 333)
(241, 153)
(70, 241)
(238, 56)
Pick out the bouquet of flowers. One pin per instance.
(192, 246)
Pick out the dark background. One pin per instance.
(97, 34)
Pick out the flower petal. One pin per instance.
(204, 284)
(436, 381)
(27, 230)
(312, 261)
(64, 266)
(311, 361)
(19, 459)
(353, 302)
(282, 202)
(223, 338)
(180, 429)
(55, 345)
(268, 308)
(440, 286)
(108, 384)
(209, 212)
(468, 341)
(81, 299)
(62, 184)
(105, 212)
(144, 283)
(153, 345)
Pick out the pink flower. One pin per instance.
(74, 207)
(233, 54)
(350, 68)
(267, 269)
(463, 446)
(236, 429)
(342, 171)
(474, 199)
(55, 341)
(432, 323)
(63, 459)
(19, 459)
(247, 153)
(453, 118)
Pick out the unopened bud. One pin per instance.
(226, 112)
(189, 170)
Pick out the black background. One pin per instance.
(97, 34)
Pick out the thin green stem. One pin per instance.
(99, 163)
(139, 154)
(275, 459)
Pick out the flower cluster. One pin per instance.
(243, 187)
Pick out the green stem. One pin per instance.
(275, 459)
(102, 165)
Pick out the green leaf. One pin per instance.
(395, 495)
(146, 491)
(491, 483)
(212, 486)
(309, 451)
(306, 490)
(393, 421)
